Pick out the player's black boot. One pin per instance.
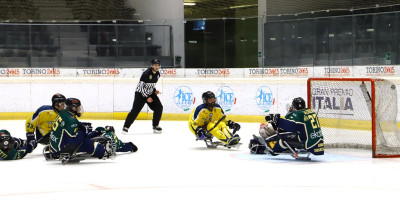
(157, 129)
(233, 141)
(134, 148)
(125, 130)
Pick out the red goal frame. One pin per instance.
(373, 121)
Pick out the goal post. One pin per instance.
(357, 113)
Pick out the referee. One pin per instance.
(146, 93)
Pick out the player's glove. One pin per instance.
(201, 133)
(276, 118)
(30, 137)
(19, 143)
(273, 120)
(233, 125)
(269, 118)
(85, 127)
(31, 145)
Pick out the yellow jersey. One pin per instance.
(201, 116)
(41, 120)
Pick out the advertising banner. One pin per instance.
(338, 102)
(30, 72)
(302, 72)
(333, 71)
(98, 72)
(279, 72)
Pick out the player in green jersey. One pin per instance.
(300, 129)
(67, 132)
(109, 132)
(12, 148)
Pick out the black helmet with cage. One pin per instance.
(74, 106)
(6, 141)
(57, 99)
(298, 103)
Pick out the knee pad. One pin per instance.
(210, 125)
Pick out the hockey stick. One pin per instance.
(295, 155)
(216, 124)
(40, 139)
(219, 121)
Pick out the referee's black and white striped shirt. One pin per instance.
(147, 84)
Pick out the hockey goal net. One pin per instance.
(357, 113)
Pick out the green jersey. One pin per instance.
(65, 125)
(308, 120)
(117, 143)
(13, 154)
(19, 151)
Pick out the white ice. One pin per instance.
(174, 177)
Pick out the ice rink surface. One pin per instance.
(174, 177)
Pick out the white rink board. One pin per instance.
(241, 96)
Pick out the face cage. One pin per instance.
(6, 142)
(57, 104)
(210, 105)
(80, 111)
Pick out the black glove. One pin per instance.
(31, 145)
(201, 133)
(233, 125)
(85, 127)
(269, 118)
(274, 121)
(19, 143)
(30, 137)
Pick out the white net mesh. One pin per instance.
(344, 109)
(388, 134)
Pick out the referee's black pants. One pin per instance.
(138, 104)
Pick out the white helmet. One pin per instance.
(266, 130)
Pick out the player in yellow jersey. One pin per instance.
(42, 120)
(208, 120)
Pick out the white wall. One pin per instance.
(26, 94)
(112, 90)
